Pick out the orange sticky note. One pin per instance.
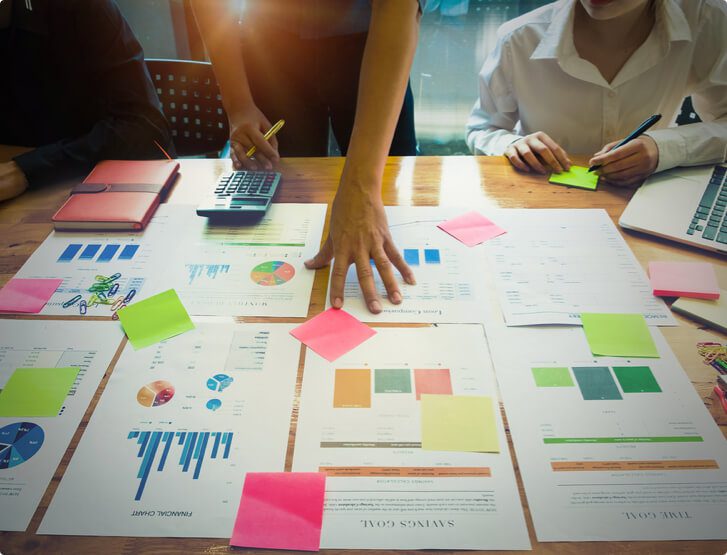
(27, 295)
(280, 510)
(471, 228)
(332, 333)
(684, 279)
(352, 389)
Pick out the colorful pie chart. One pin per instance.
(19, 442)
(155, 394)
(275, 272)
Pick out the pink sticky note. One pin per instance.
(332, 333)
(684, 279)
(27, 295)
(471, 228)
(280, 510)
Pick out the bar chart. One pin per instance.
(195, 447)
(90, 251)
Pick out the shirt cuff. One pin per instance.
(672, 146)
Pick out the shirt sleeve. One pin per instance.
(705, 142)
(132, 118)
(491, 124)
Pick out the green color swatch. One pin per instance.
(577, 176)
(552, 377)
(636, 379)
(459, 423)
(36, 391)
(155, 319)
(596, 383)
(396, 380)
(619, 335)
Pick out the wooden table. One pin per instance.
(456, 181)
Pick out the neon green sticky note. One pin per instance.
(577, 176)
(36, 391)
(155, 319)
(619, 335)
(458, 423)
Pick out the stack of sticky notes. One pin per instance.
(577, 176)
(696, 280)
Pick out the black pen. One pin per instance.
(641, 129)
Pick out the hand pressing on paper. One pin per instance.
(539, 153)
(358, 233)
(628, 165)
(12, 181)
(247, 128)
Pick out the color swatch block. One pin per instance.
(596, 383)
(436, 381)
(392, 380)
(411, 257)
(280, 510)
(552, 377)
(636, 379)
(459, 423)
(352, 389)
(36, 391)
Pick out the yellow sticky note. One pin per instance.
(577, 176)
(36, 391)
(458, 423)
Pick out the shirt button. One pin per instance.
(611, 94)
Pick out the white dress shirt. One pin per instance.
(534, 80)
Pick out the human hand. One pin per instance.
(537, 152)
(628, 165)
(12, 181)
(247, 129)
(358, 233)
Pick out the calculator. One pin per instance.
(241, 194)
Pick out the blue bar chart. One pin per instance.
(431, 256)
(194, 447)
(80, 251)
(209, 271)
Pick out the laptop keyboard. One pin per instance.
(709, 220)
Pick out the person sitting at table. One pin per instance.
(305, 62)
(580, 75)
(75, 90)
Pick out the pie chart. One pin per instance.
(155, 394)
(275, 272)
(19, 442)
(219, 382)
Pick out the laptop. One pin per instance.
(687, 205)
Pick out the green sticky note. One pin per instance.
(155, 319)
(577, 176)
(619, 335)
(458, 423)
(36, 391)
(552, 377)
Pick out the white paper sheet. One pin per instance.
(175, 431)
(406, 504)
(41, 442)
(78, 257)
(249, 270)
(552, 265)
(449, 275)
(622, 453)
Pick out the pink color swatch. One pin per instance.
(332, 333)
(471, 228)
(435, 381)
(27, 295)
(684, 279)
(280, 510)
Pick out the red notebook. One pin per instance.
(117, 194)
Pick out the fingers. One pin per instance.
(605, 149)
(560, 155)
(537, 152)
(385, 269)
(523, 149)
(399, 263)
(513, 155)
(338, 281)
(239, 157)
(323, 257)
(368, 286)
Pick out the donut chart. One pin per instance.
(272, 273)
(155, 394)
(19, 442)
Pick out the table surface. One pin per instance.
(479, 182)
